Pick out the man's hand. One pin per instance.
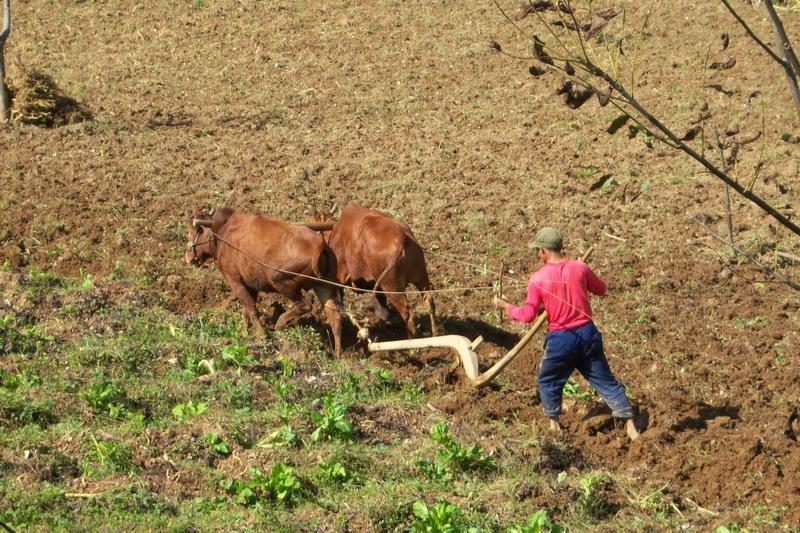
(500, 302)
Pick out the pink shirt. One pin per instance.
(563, 288)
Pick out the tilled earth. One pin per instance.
(284, 107)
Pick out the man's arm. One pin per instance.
(594, 283)
(527, 311)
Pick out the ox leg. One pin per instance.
(432, 312)
(301, 307)
(400, 303)
(248, 300)
(379, 305)
(331, 300)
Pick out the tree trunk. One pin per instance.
(791, 66)
(5, 98)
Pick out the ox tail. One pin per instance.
(400, 254)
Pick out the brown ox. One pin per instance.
(375, 250)
(237, 242)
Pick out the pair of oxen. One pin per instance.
(363, 248)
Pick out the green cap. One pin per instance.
(549, 238)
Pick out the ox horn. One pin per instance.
(205, 222)
(334, 208)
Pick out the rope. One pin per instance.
(340, 285)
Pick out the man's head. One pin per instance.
(548, 242)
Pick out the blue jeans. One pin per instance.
(579, 348)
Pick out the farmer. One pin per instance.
(562, 286)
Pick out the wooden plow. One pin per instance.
(465, 348)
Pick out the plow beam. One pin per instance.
(462, 345)
(466, 348)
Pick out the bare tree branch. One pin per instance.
(753, 36)
(5, 98)
(777, 215)
(790, 63)
(792, 70)
(764, 268)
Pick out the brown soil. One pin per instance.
(406, 108)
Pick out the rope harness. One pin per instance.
(215, 236)
(333, 283)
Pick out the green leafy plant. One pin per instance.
(16, 338)
(105, 397)
(592, 501)
(441, 517)
(216, 444)
(335, 472)
(236, 355)
(573, 390)
(385, 379)
(113, 455)
(733, 527)
(280, 486)
(464, 458)
(435, 470)
(331, 420)
(539, 522)
(184, 411)
(86, 282)
(350, 387)
(20, 410)
(284, 437)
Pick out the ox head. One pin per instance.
(201, 242)
(324, 216)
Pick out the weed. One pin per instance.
(113, 455)
(583, 172)
(215, 443)
(350, 387)
(19, 410)
(16, 338)
(284, 437)
(733, 527)
(281, 486)
(86, 281)
(39, 282)
(234, 394)
(331, 421)
(435, 470)
(441, 517)
(465, 459)
(236, 355)
(184, 411)
(385, 379)
(303, 338)
(105, 397)
(134, 499)
(573, 390)
(335, 472)
(592, 502)
(24, 509)
(537, 523)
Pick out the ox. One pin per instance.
(375, 250)
(238, 241)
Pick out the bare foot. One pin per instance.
(555, 426)
(630, 429)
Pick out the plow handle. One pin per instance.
(490, 374)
